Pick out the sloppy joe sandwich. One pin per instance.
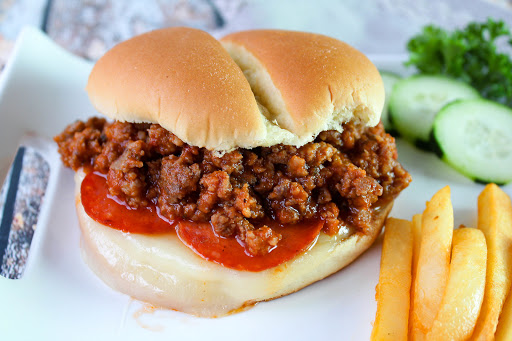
(229, 172)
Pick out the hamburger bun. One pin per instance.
(164, 272)
(251, 89)
(257, 88)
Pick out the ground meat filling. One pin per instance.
(337, 177)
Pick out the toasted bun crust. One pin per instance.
(184, 79)
(308, 82)
(162, 271)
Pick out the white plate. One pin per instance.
(41, 90)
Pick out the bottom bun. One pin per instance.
(161, 270)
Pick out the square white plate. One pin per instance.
(41, 91)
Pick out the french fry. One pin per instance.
(495, 221)
(416, 236)
(416, 233)
(464, 293)
(394, 285)
(433, 262)
(504, 330)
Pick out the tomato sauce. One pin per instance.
(200, 237)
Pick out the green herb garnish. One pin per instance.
(470, 54)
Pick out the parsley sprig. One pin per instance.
(470, 54)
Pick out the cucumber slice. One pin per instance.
(475, 137)
(416, 100)
(389, 79)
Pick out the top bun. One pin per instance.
(257, 88)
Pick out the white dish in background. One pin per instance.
(41, 90)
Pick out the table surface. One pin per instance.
(89, 28)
